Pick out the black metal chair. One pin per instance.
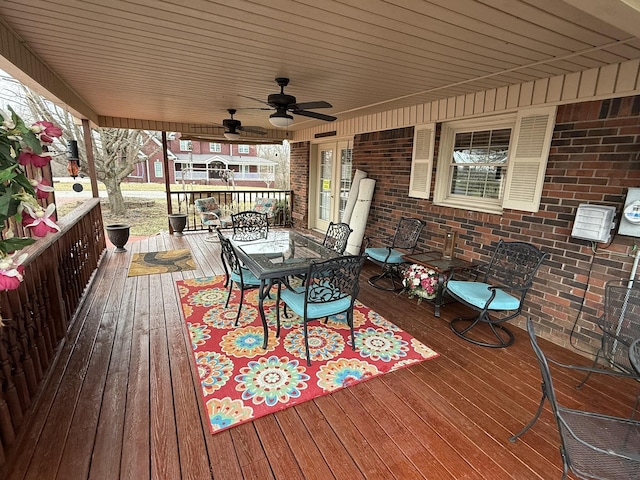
(337, 236)
(250, 225)
(331, 287)
(592, 445)
(235, 272)
(619, 326)
(501, 290)
(389, 257)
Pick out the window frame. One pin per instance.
(186, 146)
(215, 147)
(444, 165)
(243, 149)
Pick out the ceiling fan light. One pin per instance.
(231, 135)
(280, 119)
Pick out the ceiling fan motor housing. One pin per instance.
(230, 124)
(281, 100)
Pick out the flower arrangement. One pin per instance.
(419, 281)
(22, 146)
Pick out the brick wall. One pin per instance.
(299, 181)
(594, 158)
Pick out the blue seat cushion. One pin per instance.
(248, 277)
(380, 254)
(295, 301)
(478, 293)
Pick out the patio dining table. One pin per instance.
(274, 256)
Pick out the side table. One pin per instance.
(443, 266)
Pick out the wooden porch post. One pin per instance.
(167, 182)
(88, 142)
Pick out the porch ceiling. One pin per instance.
(161, 60)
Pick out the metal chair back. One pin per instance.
(620, 323)
(333, 279)
(513, 266)
(250, 225)
(407, 234)
(337, 236)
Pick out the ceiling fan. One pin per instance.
(233, 127)
(283, 103)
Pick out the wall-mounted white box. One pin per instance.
(594, 222)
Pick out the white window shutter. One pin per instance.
(529, 155)
(422, 160)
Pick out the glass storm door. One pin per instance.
(333, 182)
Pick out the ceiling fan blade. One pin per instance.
(256, 130)
(310, 105)
(319, 116)
(255, 100)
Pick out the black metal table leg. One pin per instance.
(265, 286)
(439, 292)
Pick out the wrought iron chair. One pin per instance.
(250, 225)
(331, 287)
(592, 445)
(501, 290)
(389, 257)
(336, 237)
(620, 326)
(235, 272)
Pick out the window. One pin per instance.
(473, 162)
(487, 164)
(243, 149)
(157, 168)
(215, 147)
(185, 145)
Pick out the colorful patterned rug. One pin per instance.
(161, 262)
(241, 382)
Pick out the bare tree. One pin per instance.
(115, 151)
(280, 155)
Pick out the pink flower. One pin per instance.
(40, 221)
(27, 157)
(42, 188)
(46, 130)
(11, 271)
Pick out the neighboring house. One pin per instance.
(206, 163)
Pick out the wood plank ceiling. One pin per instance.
(190, 60)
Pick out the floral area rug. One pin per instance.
(241, 382)
(161, 262)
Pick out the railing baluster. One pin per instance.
(231, 201)
(37, 315)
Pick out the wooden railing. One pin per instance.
(232, 201)
(38, 314)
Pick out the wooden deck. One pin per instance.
(123, 402)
